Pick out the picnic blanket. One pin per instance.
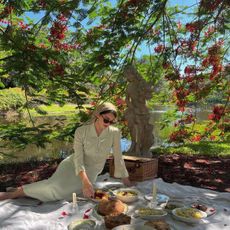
(30, 214)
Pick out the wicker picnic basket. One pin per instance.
(139, 168)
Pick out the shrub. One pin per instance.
(11, 99)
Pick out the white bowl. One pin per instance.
(81, 224)
(132, 227)
(170, 205)
(127, 195)
(156, 214)
(188, 218)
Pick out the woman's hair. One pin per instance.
(109, 111)
(103, 108)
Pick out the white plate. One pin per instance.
(127, 199)
(151, 217)
(133, 227)
(81, 224)
(161, 198)
(191, 219)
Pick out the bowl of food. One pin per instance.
(150, 213)
(127, 195)
(82, 224)
(169, 206)
(189, 215)
(133, 227)
(100, 195)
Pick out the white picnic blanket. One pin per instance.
(28, 214)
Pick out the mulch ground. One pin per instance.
(203, 172)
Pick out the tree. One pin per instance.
(77, 45)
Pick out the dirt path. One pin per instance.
(203, 172)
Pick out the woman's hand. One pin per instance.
(127, 182)
(87, 189)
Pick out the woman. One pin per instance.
(77, 173)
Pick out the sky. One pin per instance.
(143, 48)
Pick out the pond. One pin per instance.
(59, 148)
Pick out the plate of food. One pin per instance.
(110, 207)
(82, 224)
(161, 198)
(100, 195)
(150, 213)
(189, 215)
(158, 224)
(205, 208)
(112, 222)
(133, 227)
(127, 195)
(170, 205)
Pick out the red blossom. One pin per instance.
(212, 137)
(196, 138)
(159, 48)
(178, 136)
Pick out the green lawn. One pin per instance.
(220, 149)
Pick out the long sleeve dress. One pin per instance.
(90, 154)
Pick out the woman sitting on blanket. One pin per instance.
(77, 173)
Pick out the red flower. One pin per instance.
(160, 48)
(196, 138)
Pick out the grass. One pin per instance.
(210, 149)
(55, 110)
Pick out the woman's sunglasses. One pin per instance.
(106, 121)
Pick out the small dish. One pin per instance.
(150, 213)
(82, 224)
(127, 195)
(169, 206)
(161, 198)
(189, 215)
(205, 208)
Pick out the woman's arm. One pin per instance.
(119, 163)
(87, 187)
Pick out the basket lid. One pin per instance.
(140, 159)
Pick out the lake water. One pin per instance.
(58, 148)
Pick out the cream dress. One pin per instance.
(90, 154)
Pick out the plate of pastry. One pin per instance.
(158, 224)
(110, 207)
(112, 222)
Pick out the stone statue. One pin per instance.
(137, 113)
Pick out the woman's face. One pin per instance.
(106, 119)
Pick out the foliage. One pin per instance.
(74, 51)
(202, 148)
(11, 99)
